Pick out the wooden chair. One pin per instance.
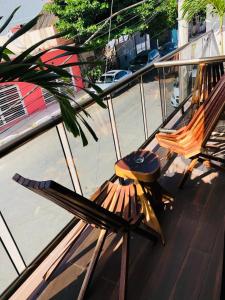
(117, 211)
(191, 139)
(207, 77)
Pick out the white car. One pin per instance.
(175, 94)
(176, 91)
(109, 78)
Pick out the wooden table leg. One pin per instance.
(159, 194)
(150, 217)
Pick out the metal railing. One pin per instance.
(10, 146)
(130, 121)
(187, 62)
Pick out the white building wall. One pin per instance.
(30, 38)
(212, 23)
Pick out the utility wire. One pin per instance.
(119, 25)
(109, 37)
(138, 23)
(155, 13)
(109, 34)
(114, 15)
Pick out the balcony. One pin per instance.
(34, 232)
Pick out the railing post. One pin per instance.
(69, 157)
(11, 247)
(162, 92)
(114, 128)
(143, 108)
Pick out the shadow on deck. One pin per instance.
(188, 267)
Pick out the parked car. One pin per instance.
(143, 58)
(109, 78)
(167, 48)
(191, 77)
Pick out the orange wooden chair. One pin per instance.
(189, 140)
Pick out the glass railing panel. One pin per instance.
(195, 49)
(213, 46)
(95, 162)
(204, 46)
(206, 42)
(152, 100)
(33, 220)
(176, 84)
(170, 93)
(129, 117)
(7, 270)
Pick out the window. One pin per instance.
(120, 75)
(106, 79)
(11, 104)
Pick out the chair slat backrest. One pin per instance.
(76, 204)
(190, 139)
(207, 77)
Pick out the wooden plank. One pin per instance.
(81, 226)
(213, 276)
(102, 192)
(114, 201)
(79, 205)
(133, 204)
(92, 265)
(214, 74)
(120, 204)
(106, 203)
(124, 267)
(190, 279)
(166, 265)
(126, 209)
(209, 72)
(211, 221)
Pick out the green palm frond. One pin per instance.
(192, 7)
(28, 67)
(8, 20)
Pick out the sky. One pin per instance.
(28, 9)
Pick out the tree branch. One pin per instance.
(111, 17)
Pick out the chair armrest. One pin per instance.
(165, 130)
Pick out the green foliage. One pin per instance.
(28, 67)
(93, 73)
(82, 18)
(193, 7)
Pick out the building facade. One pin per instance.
(23, 99)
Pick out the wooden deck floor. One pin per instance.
(188, 267)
